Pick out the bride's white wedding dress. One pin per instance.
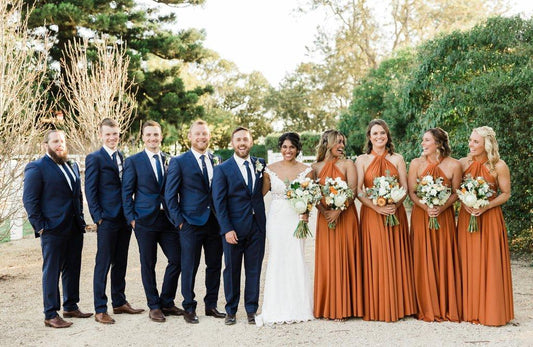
(288, 293)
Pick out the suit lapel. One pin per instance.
(57, 169)
(109, 160)
(237, 172)
(148, 166)
(255, 172)
(199, 173)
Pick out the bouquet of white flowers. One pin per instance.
(432, 192)
(303, 194)
(337, 195)
(386, 190)
(475, 193)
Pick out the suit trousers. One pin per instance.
(61, 257)
(192, 239)
(113, 239)
(251, 247)
(163, 233)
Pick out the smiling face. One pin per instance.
(199, 136)
(337, 150)
(152, 138)
(288, 150)
(429, 146)
(378, 137)
(476, 144)
(242, 143)
(110, 136)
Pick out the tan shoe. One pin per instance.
(126, 308)
(76, 314)
(104, 318)
(57, 322)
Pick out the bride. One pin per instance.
(288, 296)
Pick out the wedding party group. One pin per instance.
(373, 264)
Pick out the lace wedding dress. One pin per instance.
(288, 293)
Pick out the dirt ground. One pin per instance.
(21, 319)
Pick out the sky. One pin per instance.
(264, 35)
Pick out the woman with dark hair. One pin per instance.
(338, 288)
(438, 276)
(484, 254)
(387, 253)
(288, 289)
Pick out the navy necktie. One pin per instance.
(204, 170)
(115, 160)
(249, 174)
(159, 170)
(71, 178)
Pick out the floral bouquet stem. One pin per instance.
(302, 230)
(391, 220)
(434, 223)
(473, 225)
(332, 225)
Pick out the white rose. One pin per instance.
(397, 194)
(300, 206)
(469, 199)
(340, 200)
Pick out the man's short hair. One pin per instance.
(50, 132)
(150, 123)
(198, 122)
(108, 122)
(240, 129)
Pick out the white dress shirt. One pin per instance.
(152, 161)
(242, 168)
(207, 163)
(64, 173)
(119, 162)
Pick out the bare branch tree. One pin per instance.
(95, 89)
(23, 90)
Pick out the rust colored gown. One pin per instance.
(485, 262)
(437, 267)
(338, 290)
(387, 257)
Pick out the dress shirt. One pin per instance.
(152, 161)
(119, 162)
(64, 173)
(207, 163)
(242, 168)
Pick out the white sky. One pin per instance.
(265, 35)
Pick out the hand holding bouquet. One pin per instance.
(386, 190)
(474, 193)
(432, 192)
(337, 195)
(303, 194)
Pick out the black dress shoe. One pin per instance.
(230, 319)
(172, 311)
(190, 317)
(213, 312)
(251, 318)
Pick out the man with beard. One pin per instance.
(53, 200)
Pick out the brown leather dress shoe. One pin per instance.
(191, 317)
(157, 316)
(104, 318)
(172, 311)
(76, 314)
(251, 318)
(57, 322)
(230, 319)
(126, 308)
(213, 312)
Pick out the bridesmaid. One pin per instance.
(338, 288)
(387, 253)
(485, 262)
(437, 272)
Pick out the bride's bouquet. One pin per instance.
(432, 192)
(386, 190)
(303, 194)
(474, 193)
(337, 195)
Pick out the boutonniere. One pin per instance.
(216, 160)
(258, 167)
(70, 162)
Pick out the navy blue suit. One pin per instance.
(238, 209)
(142, 198)
(56, 210)
(188, 197)
(103, 190)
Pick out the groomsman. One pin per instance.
(190, 206)
(143, 186)
(53, 200)
(238, 199)
(103, 172)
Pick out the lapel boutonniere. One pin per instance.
(258, 167)
(215, 160)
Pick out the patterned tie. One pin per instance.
(115, 160)
(249, 174)
(204, 170)
(159, 170)
(70, 177)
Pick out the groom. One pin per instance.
(238, 199)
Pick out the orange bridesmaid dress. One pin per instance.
(437, 267)
(387, 257)
(337, 286)
(485, 262)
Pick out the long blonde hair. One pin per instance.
(327, 141)
(491, 145)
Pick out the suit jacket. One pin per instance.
(142, 196)
(236, 208)
(51, 204)
(187, 194)
(103, 188)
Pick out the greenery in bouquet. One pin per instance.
(386, 190)
(303, 194)
(474, 193)
(337, 195)
(432, 192)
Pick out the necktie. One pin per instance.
(159, 170)
(115, 160)
(204, 169)
(249, 174)
(70, 177)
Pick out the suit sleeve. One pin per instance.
(31, 197)
(220, 194)
(172, 188)
(81, 196)
(129, 182)
(92, 173)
